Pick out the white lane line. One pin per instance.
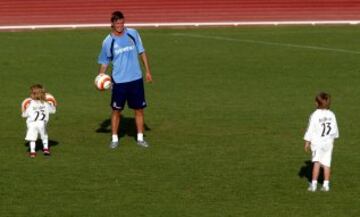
(194, 24)
(267, 43)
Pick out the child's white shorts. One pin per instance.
(34, 129)
(322, 153)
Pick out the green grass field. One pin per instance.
(226, 117)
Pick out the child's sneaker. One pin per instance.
(46, 152)
(325, 188)
(32, 154)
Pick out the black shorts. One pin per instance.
(131, 92)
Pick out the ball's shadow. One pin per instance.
(306, 172)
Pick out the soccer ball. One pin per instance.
(103, 82)
(51, 99)
(25, 103)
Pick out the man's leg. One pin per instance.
(115, 122)
(139, 121)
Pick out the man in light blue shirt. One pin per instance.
(122, 48)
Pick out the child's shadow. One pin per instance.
(39, 144)
(127, 127)
(306, 172)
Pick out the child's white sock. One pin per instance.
(115, 138)
(140, 137)
(326, 183)
(32, 146)
(45, 144)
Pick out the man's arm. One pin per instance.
(103, 68)
(147, 67)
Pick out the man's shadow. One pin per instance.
(306, 172)
(127, 127)
(39, 144)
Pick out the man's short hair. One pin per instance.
(117, 15)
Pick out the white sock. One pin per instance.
(314, 183)
(32, 146)
(140, 137)
(326, 183)
(45, 144)
(115, 138)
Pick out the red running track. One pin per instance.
(41, 12)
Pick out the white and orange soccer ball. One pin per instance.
(103, 82)
(51, 99)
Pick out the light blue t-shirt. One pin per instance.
(124, 55)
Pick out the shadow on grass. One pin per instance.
(306, 172)
(127, 127)
(39, 144)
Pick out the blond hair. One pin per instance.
(37, 92)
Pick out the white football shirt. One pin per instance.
(38, 111)
(322, 128)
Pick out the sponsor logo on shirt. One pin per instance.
(123, 49)
(324, 119)
(35, 108)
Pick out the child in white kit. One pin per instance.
(319, 138)
(37, 116)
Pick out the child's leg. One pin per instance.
(327, 173)
(315, 175)
(326, 176)
(316, 171)
(326, 162)
(326, 165)
(31, 136)
(32, 146)
(32, 149)
(45, 142)
(44, 137)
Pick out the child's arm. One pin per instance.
(52, 109)
(25, 114)
(335, 133)
(308, 134)
(309, 131)
(307, 146)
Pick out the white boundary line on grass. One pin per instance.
(184, 24)
(267, 43)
